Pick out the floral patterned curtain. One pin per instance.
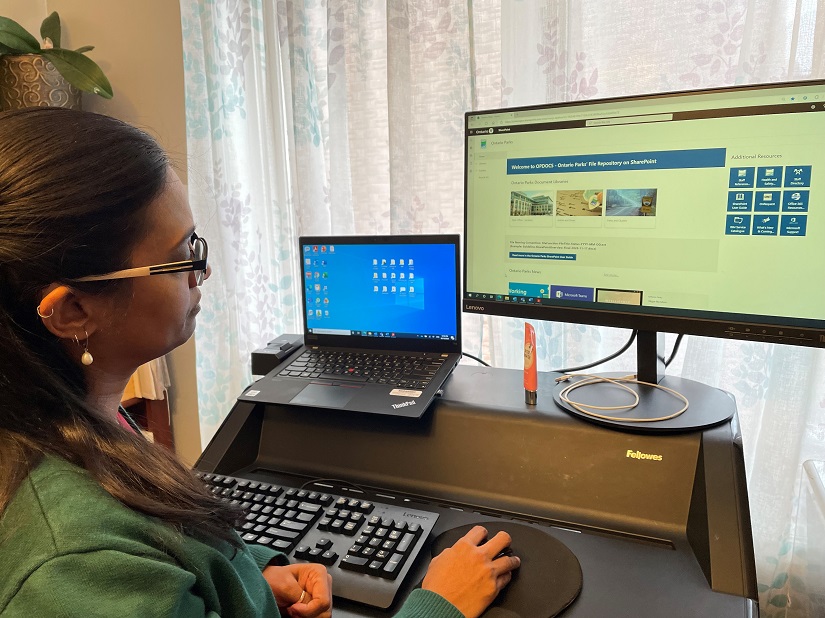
(346, 116)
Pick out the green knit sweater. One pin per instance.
(68, 548)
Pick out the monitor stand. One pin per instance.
(707, 406)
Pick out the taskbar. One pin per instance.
(380, 334)
(507, 298)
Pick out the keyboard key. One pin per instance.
(302, 551)
(350, 528)
(375, 565)
(404, 545)
(280, 533)
(308, 507)
(297, 526)
(393, 567)
(354, 563)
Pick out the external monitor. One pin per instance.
(686, 212)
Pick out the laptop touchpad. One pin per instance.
(324, 396)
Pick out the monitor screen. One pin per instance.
(697, 212)
(380, 287)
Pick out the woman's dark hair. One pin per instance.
(74, 192)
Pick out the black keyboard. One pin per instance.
(402, 370)
(368, 547)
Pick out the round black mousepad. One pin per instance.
(548, 580)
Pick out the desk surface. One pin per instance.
(638, 527)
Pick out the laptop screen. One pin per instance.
(379, 287)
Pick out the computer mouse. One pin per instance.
(548, 580)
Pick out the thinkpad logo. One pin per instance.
(403, 404)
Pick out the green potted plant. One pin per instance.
(32, 73)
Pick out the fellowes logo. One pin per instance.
(473, 308)
(403, 404)
(639, 455)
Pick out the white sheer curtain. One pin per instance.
(346, 117)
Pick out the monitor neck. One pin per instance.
(650, 356)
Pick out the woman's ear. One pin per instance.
(66, 313)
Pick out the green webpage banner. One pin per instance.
(710, 203)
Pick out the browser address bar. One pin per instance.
(600, 122)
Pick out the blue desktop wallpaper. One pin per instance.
(405, 289)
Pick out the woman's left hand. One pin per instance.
(289, 582)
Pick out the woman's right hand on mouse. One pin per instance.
(468, 574)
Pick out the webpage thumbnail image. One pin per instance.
(631, 203)
(584, 203)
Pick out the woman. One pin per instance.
(95, 520)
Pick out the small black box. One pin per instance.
(266, 359)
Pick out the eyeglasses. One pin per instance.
(197, 264)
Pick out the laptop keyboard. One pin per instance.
(402, 370)
(367, 547)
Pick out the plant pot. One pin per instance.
(29, 80)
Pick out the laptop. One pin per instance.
(382, 325)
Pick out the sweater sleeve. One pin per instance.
(265, 556)
(427, 604)
(107, 583)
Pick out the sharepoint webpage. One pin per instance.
(712, 214)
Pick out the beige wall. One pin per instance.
(138, 46)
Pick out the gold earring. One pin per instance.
(45, 317)
(85, 358)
